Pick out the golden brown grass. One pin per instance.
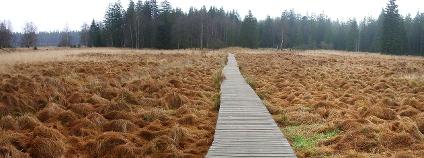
(375, 101)
(108, 102)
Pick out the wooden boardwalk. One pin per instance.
(245, 128)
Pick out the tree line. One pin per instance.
(160, 26)
(30, 37)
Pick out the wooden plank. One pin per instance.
(245, 128)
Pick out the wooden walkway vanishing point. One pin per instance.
(245, 128)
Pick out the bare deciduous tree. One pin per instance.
(65, 40)
(29, 38)
(84, 34)
(5, 34)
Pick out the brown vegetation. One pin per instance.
(375, 101)
(108, 103)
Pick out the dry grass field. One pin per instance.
(340, 104)
(151, 103)
(108, 102)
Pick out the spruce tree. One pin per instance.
(95, 35)
(249, 32)
(130, 26)
(266, 36)
(165, 21)
(352, 39)
(391, 36)
(114, 23)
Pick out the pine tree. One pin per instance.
(249, 32)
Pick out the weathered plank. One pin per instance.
(245, 128)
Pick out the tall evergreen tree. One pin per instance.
(353, 35)
(95, 35)
(249, 32)
(377, 29)
(139, 24)
(165, 22)
(232, 29)
(422, 41)
(369, 35)
(130, 26)
(392, 32)
(114, 23)
(321, 28)
(404, 38)
(266, 33)
(340, 37)
(179, 30)
(415, 32)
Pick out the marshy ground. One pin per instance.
(342, 104)
(108, 103)
(117, 102)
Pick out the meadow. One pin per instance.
(108, 102)
(341, 104)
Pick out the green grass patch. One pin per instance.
(308, 136)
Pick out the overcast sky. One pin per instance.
(50, 15)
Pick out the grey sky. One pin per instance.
(49, 15)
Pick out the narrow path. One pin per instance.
(245, 128)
